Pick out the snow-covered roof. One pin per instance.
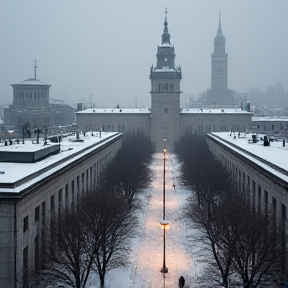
(164, 69)
(270, 119)
(147, 110)
(214, 111)
(115, 110)
(32, 81)
(27, 174)
(165, 45)
(271, 158)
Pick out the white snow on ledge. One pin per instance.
(275, 154)
(115, 110)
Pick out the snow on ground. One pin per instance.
(147, 256)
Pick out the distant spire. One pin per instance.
(219, 28)
(219, 36)
(35, 69)
(165, 35)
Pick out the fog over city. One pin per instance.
(101, 51)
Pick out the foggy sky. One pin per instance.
(106, 48)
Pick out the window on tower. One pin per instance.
(165, 110)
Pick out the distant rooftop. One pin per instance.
(272, 158)
(182, 111)
(31, 81)
(271, 118)
(213, 111)
(116, 110)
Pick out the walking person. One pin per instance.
(181, 282)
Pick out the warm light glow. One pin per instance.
(166, 227)
(165, 224)
(164, 151)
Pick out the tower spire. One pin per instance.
(219, 27)
(165, 35)
(35, 69)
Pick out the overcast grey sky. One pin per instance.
(105, 48)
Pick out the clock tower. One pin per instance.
(219, 79)
(165, 95)
(219, 94)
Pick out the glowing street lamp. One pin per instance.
(164, 223)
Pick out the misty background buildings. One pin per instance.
(98, 55)
(219, 92)
(86, 43)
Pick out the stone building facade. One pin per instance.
(32, 109)
(165, 119)
(32, 193)
(30, 105)
(260, 171)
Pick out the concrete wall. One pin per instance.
(117, 122)
(216, 122)
(267, 192)
(7, 251)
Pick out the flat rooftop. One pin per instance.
(272, 158)
(14, 177)
(214, 111)
(115, 111)
(147, 111)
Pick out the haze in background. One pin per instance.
(100, 52)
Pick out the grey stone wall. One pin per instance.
(216, 122)
(114, 122)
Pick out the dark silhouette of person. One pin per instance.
(181, 282)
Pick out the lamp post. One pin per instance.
(164, 222)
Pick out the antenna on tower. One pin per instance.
(35, 68)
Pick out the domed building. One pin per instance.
(32, 109)
(30, 105)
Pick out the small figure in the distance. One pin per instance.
(181, 282)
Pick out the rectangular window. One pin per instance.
(72, 193)
(165, 110)
(66, 195)
(60, 197)
(52, 203)
(37, 254)
(91, 177)
(83, 183)
(37, 213)
(266, 196)
(259, 198)
(284, 212)
(25, 264)
(87, 180)
(78, 185)
(25, 224)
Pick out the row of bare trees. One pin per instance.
(96, 235)
(243, 243)
(129, 173)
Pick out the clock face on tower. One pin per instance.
(219, 69)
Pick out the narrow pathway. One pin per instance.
(150, 253)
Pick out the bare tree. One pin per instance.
(109, 226)
(129, 173)
(68, 260)
(240, 240)
(253, 239)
